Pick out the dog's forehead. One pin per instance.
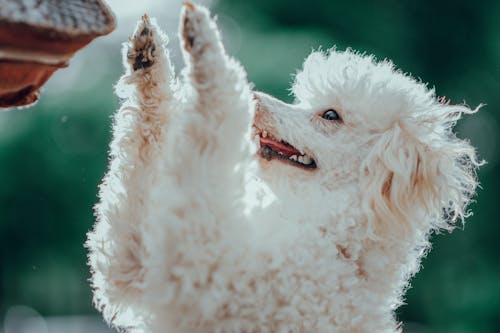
(359, 86)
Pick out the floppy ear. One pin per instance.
(412, 184)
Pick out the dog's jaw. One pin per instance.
(272, 147)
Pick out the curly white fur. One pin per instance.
(196, 232)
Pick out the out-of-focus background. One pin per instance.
(53, 155)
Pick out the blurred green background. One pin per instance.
(53, 156)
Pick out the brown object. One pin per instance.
(37, 37)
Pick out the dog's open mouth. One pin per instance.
(272, 147)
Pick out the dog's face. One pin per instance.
(362, 121)
(344, 102)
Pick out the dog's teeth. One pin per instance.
(264, 134)
(301, 159)
(293, 157)
(306, 160)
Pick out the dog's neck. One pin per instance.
(306, 191)
(329, 209)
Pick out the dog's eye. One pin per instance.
(330, 115)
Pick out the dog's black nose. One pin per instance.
(266, 152)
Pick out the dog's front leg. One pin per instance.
(116, 245)
(196, 228)
(214, 140)
(170, 220)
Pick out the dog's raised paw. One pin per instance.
(142, 46)
(197, 31)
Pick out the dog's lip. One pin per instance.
(268, 154)
(284, 147)
(272, 147)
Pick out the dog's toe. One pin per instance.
(198, 31)
(142, 46)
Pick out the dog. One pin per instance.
(228, 210)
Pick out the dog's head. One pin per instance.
(362, 121)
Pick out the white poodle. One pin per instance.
(226, 210)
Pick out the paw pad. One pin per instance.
(195, 27)
(188, 33)
(142, 47)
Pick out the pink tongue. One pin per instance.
(284, 148)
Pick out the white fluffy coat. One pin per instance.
(197, 233)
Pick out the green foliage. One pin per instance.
(52, 157)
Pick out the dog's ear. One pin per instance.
(419, 177)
